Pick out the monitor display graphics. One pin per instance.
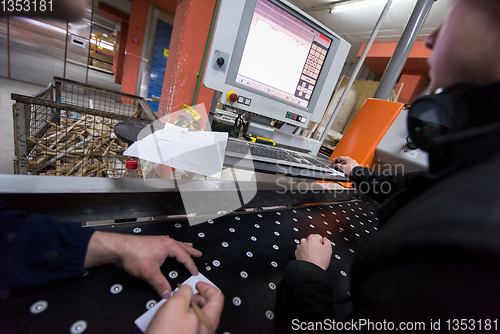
(282, 56)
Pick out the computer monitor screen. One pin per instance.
(271, 59)
(283, 56)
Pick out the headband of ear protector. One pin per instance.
(457, 108)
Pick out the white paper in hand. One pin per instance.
(144, 320)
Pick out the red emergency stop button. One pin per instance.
(232, 96)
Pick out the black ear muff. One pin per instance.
(459, 107)
(428, 119)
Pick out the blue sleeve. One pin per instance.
(39, 249)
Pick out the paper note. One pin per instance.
(144, 320)
(199, 152)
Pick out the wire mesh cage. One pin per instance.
(68, 130)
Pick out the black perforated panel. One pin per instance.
(244, 255)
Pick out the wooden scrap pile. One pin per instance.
(83, 147)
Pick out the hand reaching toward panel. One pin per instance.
(345, 164)
(140, 256)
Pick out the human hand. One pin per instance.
(345, 164)
(177, 317)
(315, 249)
(140, 256)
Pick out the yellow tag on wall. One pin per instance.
(165, 52)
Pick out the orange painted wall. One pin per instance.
(414, 85)
(414, 74)
(135, 38)
(189, 38)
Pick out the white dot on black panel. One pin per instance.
(269, 315)
(259, 215)
(216, 263)
(347, 218)
(330, 206)
(294, 211)
(367, 231)
(320, 207)
(208, 268)
(337, 257)
(362, 223)
(371, 212)
(115, 289)
(277, 222)
(249, 254)
(351, 225)
(295, 229)
(370, 221)
(257, 226)
(276, 233)
(328, 232)
(78, 327)
(236, 301)
(276, 247)
(308, 209)
(352, 210)
(348, 204)
(150, 304)
(274, 264)
(210, 221)
(295, 219)
(178, 225)
(325, 223)
(341, 229)
(137, 230)
(364, 214)
(296, 241)
(333, 244)
(201, 235)
(232, 230)
(322, 215)
(253, 238)
(356, 234)
(337, 220)
(272, 286)
(344, 211)
(309, 217)
(376, 229)
(340, 205)
(376, 218)
(356, 216)
(343, 273)
(86, 273)
(334, 212)
(225, 244)
(173, 274)
(356, 203)
(39, 307)
(349, 293)
(345, 238)
(278, 213)
(237, 218)
(312, 226)
(351, 250)
(244, 274)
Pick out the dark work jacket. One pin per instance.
(437, 254)
(39, 249)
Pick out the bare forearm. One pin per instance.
(103, 249)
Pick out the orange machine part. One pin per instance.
(366, 130)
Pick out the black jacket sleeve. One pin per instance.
(377, 185)
(306, 295)
(39, 249)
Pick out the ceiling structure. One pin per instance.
(356, 25)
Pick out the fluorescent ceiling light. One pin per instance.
(356, 5)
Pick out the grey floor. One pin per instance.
(7, 87)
